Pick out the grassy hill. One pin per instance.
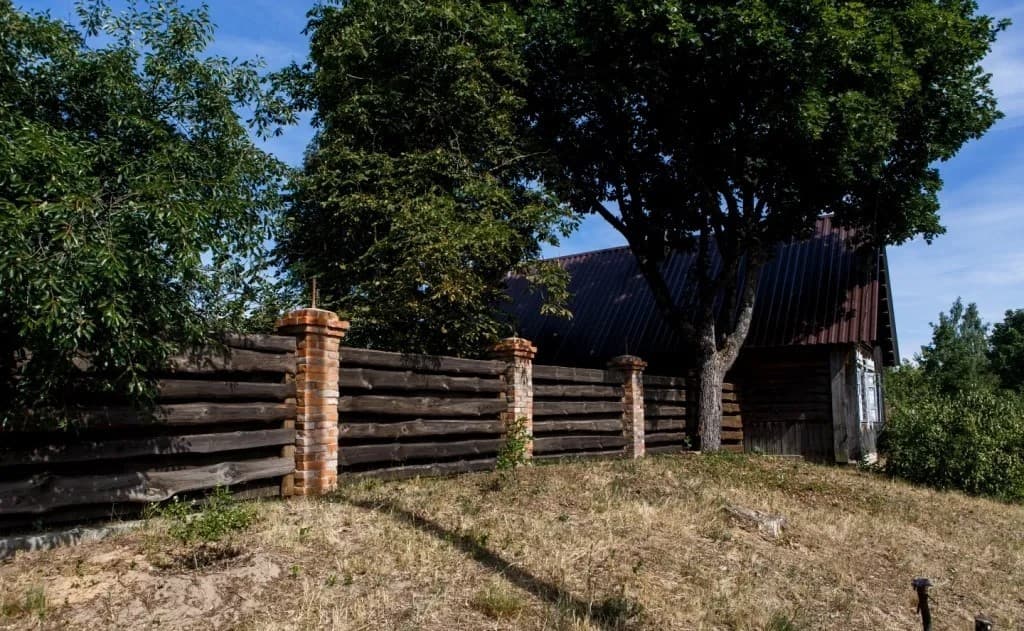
(594, 545)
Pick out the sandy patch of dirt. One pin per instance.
(115, 585)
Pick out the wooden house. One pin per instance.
(809, 376)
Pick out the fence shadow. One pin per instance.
(610, 614)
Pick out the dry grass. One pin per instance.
(599, 545)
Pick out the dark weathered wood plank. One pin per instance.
(662, 438)
(582, 455)
(655, 410)
(575, 375)
(180, 389)
(664, 395)
(188, 414)
(732, 435)
(233, 360)
(94, 450)
(371, 379)
(585, 391)
(421, 406)
(549, 444)
(732, 422)
(261, 342)
(574, 408)
(418, 427)
(665, 449)
(420, 363)
(663, 424)
(587, 425)
(399, 452)
(42, 493)
(664, 381)
(424, 470)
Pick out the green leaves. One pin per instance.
(418, 194)
(134, 207)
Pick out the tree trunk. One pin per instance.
(710, 376)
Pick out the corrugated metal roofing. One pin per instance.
(815, 291)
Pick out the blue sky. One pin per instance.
(981, 257)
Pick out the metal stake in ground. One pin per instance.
(982, 623)
(922, 585)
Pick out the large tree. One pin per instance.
(1006, 351)
(415, 200)
(134, 204)
(723, 128)
(957, 358)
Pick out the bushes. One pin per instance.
(971, 440)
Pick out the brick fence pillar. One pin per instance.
(319, 333)
(518, 355)
(632, 370)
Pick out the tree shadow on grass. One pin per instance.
(615, 613)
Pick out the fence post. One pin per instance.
(317, 353)
(631, 368)
(518, 354)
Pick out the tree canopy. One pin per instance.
(134, 205)
(1006, 352)
(723, 128)
(957, 359)
(416, 198)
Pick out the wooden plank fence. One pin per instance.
(222, 418)
(576, 412)
(404, 415)
(229, 418)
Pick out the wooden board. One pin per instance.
(42, 493)
(665, 449)
(665, 437)
(664, 396)
(371, 379)
(574, 375)
(419, 363)
(261, 342)
(424, 470)
(421, 406)
(549, 444)
(233, 360)
(664, 424)
(587, 425)
(179, 389)
(416, 428)
(585, 391)
(189, 414)
(574, 408)
(93, 450)
(398, 452)
(653, 410)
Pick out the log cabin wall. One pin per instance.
(787, 401)
(225, 418)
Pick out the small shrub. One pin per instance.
(221, 516)
(32, 603)
(512, 454)
(497, 601)
(971, 440)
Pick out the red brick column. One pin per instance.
(319, 333)
(632, 370)
(518, 355)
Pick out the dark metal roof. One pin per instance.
(815, 291)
